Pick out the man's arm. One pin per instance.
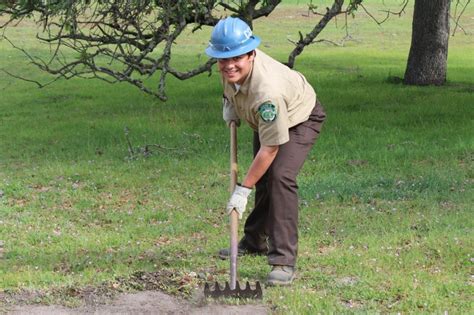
(260, 165)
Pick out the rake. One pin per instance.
(232, 288)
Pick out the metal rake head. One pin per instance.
(247, 293)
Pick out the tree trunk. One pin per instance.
(427, 61)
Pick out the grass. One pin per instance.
(386, 195)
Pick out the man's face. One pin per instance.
(236, 69)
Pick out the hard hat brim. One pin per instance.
(249, 46)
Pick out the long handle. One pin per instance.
(234, 216)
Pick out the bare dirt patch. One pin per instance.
(141, 293)
(146, 302)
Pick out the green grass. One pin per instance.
(386, 195)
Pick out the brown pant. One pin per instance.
(275, 216)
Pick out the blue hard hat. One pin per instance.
(231, 37)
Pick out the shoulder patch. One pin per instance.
(267, 112)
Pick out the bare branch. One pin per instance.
(388, 12)
(228, 7)
(335, 10)
(266, 10)
(39, 84)
(113, 40)
(456, 19)
(122, 41)
(308, 39)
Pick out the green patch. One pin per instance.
(267, 112)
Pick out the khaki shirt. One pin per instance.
(270, 83)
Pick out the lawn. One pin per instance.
(386, 211)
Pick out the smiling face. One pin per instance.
(236, 69)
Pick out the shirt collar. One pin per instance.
(245, 86)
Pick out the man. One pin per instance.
(281, 107)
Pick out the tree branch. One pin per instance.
(308, 39)
(456, 19)
(128, 33)
(388, 12)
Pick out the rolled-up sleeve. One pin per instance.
(228, 110)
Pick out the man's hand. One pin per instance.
(238, 200)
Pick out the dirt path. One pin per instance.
(146, 302)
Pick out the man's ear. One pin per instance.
(252, 55)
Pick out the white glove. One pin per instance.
(228, 112)
(238, 200)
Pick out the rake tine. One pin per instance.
(258, 291)
(207, 290)
(238, 292)
(247, 286)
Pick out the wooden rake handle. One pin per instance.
(234, 215)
